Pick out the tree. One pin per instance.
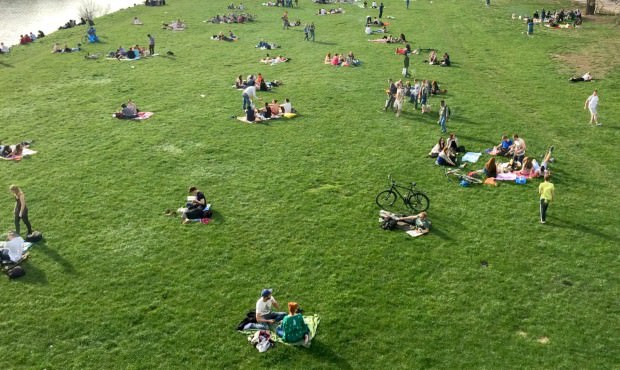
(590, 7)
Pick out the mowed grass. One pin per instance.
(117, 285)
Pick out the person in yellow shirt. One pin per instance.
(546, 190)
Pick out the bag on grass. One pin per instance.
(389, 224)
(34, 237)
(16, 272)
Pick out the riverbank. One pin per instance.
(20, 17)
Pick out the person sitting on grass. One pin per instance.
(264, 309)
(437, 148)
(503, 148)
(13, 249)
(444, 158)
(432, 58)
(136, 22)
(293, 328)
(517, 149)
(445, 61)
(197, 202)
(239, 83)
(419, 222)
(286, 107)
(275, 108)
(265, 112)
(128, 111)
(251, 114)
(16, 152)
(328, 59)
(585, 78)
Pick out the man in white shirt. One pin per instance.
(13, 248)
(3, 48)
(248, 95)
(264, 312)
(592, 104)
(286, 107)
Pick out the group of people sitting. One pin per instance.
(56, 48)
(291, 326)
(134, 52)
(13, 151)
(28, 38)
(269, 111)
(256, 81)
(128, 110)
(72, 23)
(324, 11)
(342, 60)
(445, 152)
(223, 37)
(232, 18)
(558, 16)
(177, 25)
(154, 2)
(374, 22)
(274, 60)
(433, 59)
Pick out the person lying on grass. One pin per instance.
(385, 40)
(221, 37)
(274, 60)
(585, 78)
(419, 222)
(177, 25)
(13, 249)
(267, 45)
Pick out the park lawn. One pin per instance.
(116, 284)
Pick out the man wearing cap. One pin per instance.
(13, 248)
(264, 312)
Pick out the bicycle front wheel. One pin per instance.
(418, 202)
(386, 199)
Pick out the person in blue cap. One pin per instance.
(264, 309)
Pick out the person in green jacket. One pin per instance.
(293, 328)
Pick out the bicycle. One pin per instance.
(414, 199)
(458, 174)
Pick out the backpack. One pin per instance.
(16, 272)
(34, 237)
(389, 224)
(249, 318)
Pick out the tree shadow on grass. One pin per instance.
(33, 274)
(6, 65)
(323, 42)
(567, 224)
(325, 353)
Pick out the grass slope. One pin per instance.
(118, 285)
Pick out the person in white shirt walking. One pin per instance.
(592, 104)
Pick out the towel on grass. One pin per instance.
(312, 322)
(471, 157)
(143, 116)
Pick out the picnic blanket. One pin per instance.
(471, 157)
(311, 320)
(25, 152)
(285, 115)
(143, 115)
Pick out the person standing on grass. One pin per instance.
(546, 190)
(407, 3)
(406, 65)
(21, 210)
(249, 94)
(592, 104)
(399, 98)
(151, 44)
(381, 10)
(444, 114)
(311, 29)
(391, 95)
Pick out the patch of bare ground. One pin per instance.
(598, 59)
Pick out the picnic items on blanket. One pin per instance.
(311, 320)
(25, 152)
(262, 340)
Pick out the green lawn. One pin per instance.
(118, 285)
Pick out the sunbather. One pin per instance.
(419, 222)
(13, 249)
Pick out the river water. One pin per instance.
(25, 16)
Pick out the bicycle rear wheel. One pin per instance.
(418, 202)
(386, 199)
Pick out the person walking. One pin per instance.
(21, 210)
(151, 44)
(444, 114)
(285, 23)
(391, 95)
(381, 10)
(307, 32)
(311, 29)
(592, 104)
(407, 2)
(406, 66)
(546, 190)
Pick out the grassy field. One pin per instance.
(118, 285)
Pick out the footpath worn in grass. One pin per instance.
(116, 284)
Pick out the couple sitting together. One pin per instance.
(269, 111)
(196, 209)
(13, 151)
(528, 168)
(446, 152)
(291, 328)
(129, 110)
